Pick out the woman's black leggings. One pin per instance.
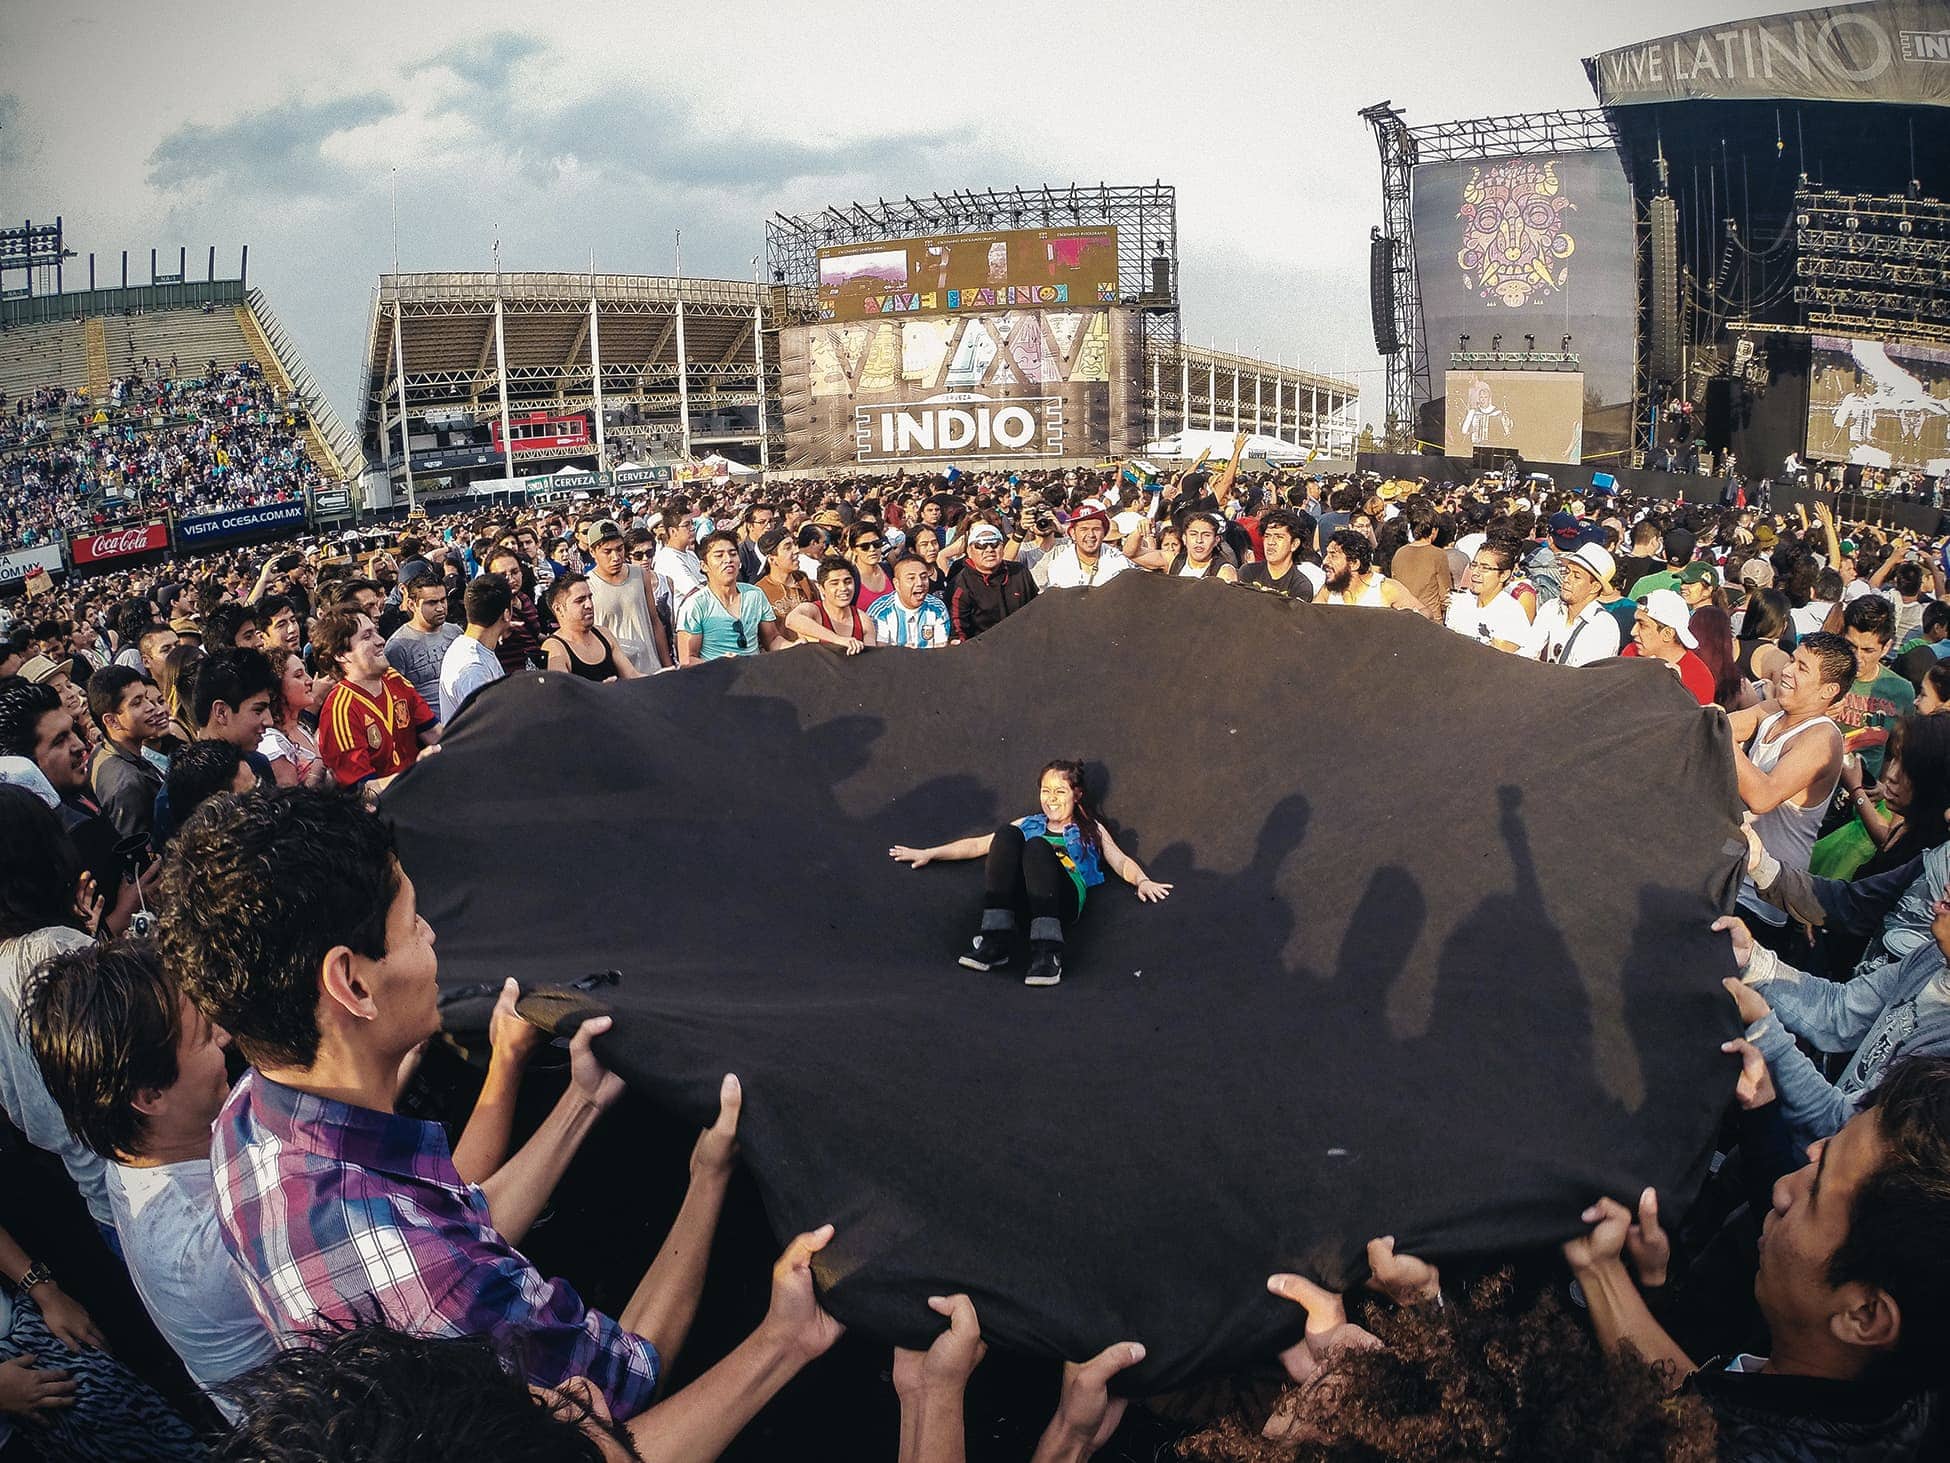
(1024, 873)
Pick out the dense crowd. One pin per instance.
(158, 442)
(216, 984)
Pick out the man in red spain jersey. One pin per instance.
(373, 723)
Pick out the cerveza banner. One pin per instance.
(1887, 51)
(213, 528)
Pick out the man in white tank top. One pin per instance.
(1352, 579)
(1788, 756)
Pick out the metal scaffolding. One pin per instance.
(1408, 366)
(1144, 215)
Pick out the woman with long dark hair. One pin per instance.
(1043, 865)
(1713, 628)
(1767, 638)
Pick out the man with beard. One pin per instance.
(128, 768)
(1575, 628)
(1085, 559)
(1352, 578)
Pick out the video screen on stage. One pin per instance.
(966, 273)
(1008, 384)
(1880, 403)
(1538, 414)
(1531, 246)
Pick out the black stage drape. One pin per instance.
(1437, 965)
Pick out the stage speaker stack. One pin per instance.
(1381, 293)
(1666, 353)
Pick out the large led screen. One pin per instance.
(968, 273)
(1880, 403)
(1011, 384)
(1538, 246)
(1538, 414)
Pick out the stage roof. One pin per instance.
(1882, 51)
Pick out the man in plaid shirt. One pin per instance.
(293, 927)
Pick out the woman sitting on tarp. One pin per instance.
(1044, 863)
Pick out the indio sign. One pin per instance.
(959, 424)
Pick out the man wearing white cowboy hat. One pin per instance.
(1086, 559)
(1575, 628)
(1660, 631)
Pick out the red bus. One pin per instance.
(545, 431)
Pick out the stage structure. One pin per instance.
(1026, 324)
(503, 379)
(1511, 229)
(1796, 166)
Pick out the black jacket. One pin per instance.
(126, 786)
(1765, 1418)
(979, 602)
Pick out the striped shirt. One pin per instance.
(362, 736)
(925, 626)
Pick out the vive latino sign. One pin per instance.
(119, 543)
(960, 424)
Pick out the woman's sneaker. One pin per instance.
(1045, 968)
(991, 948)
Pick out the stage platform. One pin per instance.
(1571, 477)
(1881, 510)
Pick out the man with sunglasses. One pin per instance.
(725, 618)
(623, 592)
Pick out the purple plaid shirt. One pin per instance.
(335, 1212)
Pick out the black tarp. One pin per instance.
(1437, 965)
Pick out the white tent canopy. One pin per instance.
(1186, 445)
(724, 467)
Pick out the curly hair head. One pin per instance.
(1481, 1378)
(255, 891)
(370, 1393)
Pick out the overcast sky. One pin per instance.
(598, 128)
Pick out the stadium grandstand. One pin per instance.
(169, 403)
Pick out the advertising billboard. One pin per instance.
(1011, 384)
(119, 543)
(19, 563)
(266, 519)
(1540, 246)
(1539, 414)
(969, 273)
(1880, 403)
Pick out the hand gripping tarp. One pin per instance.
(1438, 962)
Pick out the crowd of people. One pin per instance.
(159, 441)
(215, 981)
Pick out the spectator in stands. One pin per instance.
(139, 1077)
(127, 770)
(470, 662)
(291, 925)
(373, 723)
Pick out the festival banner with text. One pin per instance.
(1019, 384)
(1887, 51)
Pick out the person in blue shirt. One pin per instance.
(1043, 864)
(724, 617)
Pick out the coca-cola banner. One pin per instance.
(119, 543)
